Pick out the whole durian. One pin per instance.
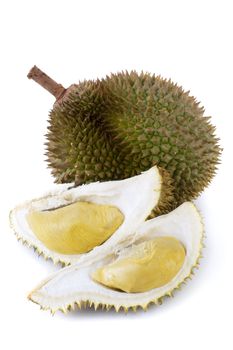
(116, 127)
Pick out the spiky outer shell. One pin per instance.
(122, 125)
(78, 148)
(167, 197)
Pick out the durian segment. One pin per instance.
(76, 228)
(134, 198)
(74, 285)
(150, 264)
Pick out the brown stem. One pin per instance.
(46, 82)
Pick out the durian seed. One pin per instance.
(147, 265)
(76, 228)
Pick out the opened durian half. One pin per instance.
(161, 256)
(70, 223)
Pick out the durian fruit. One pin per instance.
(161, 256)
(116, 127)
(70, 222)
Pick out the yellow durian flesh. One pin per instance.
(76, 228)
(150, 264)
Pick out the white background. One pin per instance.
(187, 41)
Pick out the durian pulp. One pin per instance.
(76, 228)
(148, 265)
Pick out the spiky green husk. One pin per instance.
(167, 198)
(126, 123)
(78, 149)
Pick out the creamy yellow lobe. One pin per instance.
(76, 228)
(148, 265)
